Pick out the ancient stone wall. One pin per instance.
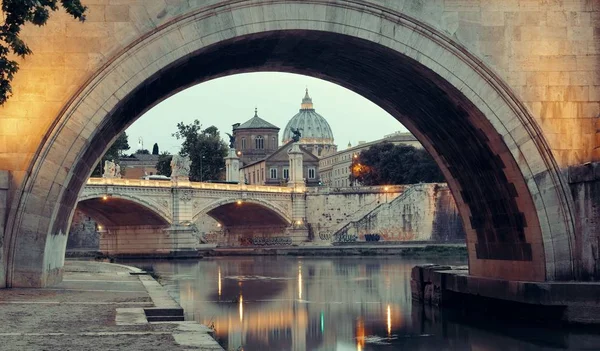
(423, 212)
(585, 187)
(332, 208)
(83, 234)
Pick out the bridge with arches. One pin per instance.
(503, 94)
(150, 216)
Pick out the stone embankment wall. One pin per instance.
(584, 181)
(330, 209)
(424, 212)
(83, 233)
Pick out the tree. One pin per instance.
(155, 149)
(16, 14)
(163, 166)
(142, 152)
(387, 163)
(114, 152)
(205, 148)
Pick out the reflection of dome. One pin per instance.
(314, 129)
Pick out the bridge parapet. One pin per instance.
(193, 185)
(359, 189)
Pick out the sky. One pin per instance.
(277, 96)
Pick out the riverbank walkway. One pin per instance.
(98, 306)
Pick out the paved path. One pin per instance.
(98, 306)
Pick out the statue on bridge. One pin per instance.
(180, 168)
(231, 141)
(297, 134)
(111, 170)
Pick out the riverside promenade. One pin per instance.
(98, 306)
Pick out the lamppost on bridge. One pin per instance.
(201, 174)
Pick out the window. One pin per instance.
(273, 173)
(311, 173)
(253, 177)
(274, 143)
(286, 173)
(259, 142)
(243, 143)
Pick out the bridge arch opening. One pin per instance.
(111, 211)
(247, 222)
(505, 181)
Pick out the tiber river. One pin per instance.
(349, 303)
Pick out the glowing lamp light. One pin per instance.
(104, 197)
(219, 225)
(386, 188)
(239, 202)
(99, 227)
(298, 222)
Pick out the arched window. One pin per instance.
(274, 143)
(243, 143)
(259, 142)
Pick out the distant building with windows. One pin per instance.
(335, 169)
(255, 139)
(137, 166)
(275, 168)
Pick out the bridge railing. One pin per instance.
(130, 182)
(358, 189)
(193, 185)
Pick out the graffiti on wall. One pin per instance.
(266, 241)
(345, 238)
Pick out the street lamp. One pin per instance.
(201, 174)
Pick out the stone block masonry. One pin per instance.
(424, 212)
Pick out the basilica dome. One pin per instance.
(314, 129)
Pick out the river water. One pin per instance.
(348, 303)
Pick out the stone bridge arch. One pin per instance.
(508, 187)
(140, 206)
(235, 203)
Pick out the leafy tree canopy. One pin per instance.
(155, 149)
(205, 148)
(16, 14)
(163, 166)
(142, 152)
(114, 152)
(387, 163)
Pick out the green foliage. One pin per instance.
(205, 148)
(114, 152)
(155, 149)
(163, 166)
(142, 152)
(16, 14)
(387, 163)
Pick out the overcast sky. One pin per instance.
(225, 101)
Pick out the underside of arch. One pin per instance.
(117, 212)
(233, 213)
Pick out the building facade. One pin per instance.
(335, 169)
(138, 166)
(255, 139)
(275, 168)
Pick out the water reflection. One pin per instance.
(283, 303)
